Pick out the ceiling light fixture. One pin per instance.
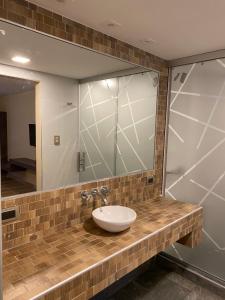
(149, 41)
(113, 23)
(21, 59)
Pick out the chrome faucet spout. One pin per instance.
(105, 201)
(103, 198)
(102, 193)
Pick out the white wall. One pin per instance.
(59, 163)
(20, 110)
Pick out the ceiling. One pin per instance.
(10, 85)
(170, 29)
(54, 56)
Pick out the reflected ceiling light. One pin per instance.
(2, 31)
(21, 59)
(108, 83)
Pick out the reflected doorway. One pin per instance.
(17, 136)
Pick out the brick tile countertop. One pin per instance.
(78, 262)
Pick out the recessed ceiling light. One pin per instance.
(113, 23)
(148, 41)
(21, 59)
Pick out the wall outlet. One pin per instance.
(9, 214)
(150, 180)
(56, 140)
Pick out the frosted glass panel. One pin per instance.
(136, 122)
(117, 125)
(195, 159)
(98, 109)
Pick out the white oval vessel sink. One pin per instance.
(114, 218)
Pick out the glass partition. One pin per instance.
(195, 156)
(117, 125)
(136, 122)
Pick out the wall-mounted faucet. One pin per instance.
(102, 193)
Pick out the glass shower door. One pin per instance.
(195, 158)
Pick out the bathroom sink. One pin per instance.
(114, 218)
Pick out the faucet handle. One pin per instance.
(94, 192)
(104, 190)
(85, 195)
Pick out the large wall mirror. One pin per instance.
(69, 114)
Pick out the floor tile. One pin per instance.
(158, 283)
(181, 280)
(150, 286)
(132, 291)
(200, 293)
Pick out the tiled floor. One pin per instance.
(161, 284)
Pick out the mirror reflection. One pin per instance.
(69, 115)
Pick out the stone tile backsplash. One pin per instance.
(44, 212)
